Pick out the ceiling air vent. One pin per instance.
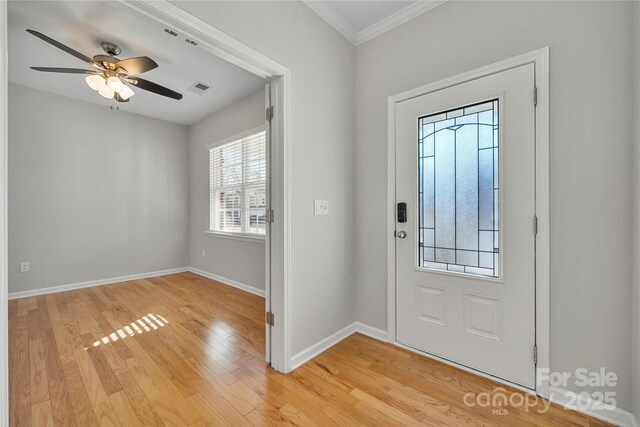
(199, 88)
(168, 31)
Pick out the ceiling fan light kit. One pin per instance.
(106, 92)
(115, 84)
(108, 87)
(126, 92)
(110, 73)
(95, 82)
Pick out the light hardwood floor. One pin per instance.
(186, 350)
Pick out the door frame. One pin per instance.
(231, 50)
(214, 41)
(540, 59)
(4, 273)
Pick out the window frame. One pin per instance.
(497, 176)
(242, 235)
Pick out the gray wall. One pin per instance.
(93, 193)
(591, 166)
(322, 152)
(242, 261)
(636, 215)
(591, 156)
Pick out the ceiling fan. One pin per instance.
(112, 76)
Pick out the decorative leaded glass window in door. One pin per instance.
(458, 189)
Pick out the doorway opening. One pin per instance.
(269, 211)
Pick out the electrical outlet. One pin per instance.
(320, 207)
(24, 267)
(204, 253)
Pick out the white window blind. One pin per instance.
(238, 172)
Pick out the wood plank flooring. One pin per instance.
(183, 350)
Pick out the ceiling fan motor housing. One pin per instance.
(109, 60)
(111, 48)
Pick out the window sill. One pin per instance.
(240, 237)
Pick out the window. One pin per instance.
(458, 190)
(238, 172)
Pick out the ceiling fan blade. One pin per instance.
(65, 70)
(138, 65)
(61, 46)
(154, 87)
(118, 98)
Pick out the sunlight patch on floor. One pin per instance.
(144, 324)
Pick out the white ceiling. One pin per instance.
(362, 20)
(83, 25)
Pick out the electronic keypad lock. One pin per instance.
(402, 212)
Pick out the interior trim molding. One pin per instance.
(209, 38)
(120, 279)
(4, 312)
(372, 332)
(560, 396)
(229, 49)
(332, 18)
(384, 336)
(540, 59)
(226, 281)
(321, 346)
(615, 416)
(390, 22)
(405, 15)
(92, 283)
(238, 237)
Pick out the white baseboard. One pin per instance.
(92, 283)
(112, 280)
(227, 281)
(310, 352)
(615, 416)
(560, 396)
(333, 339)
(372, 332)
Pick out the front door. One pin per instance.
(465, 266)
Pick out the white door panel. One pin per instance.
(465, 273)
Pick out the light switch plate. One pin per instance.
(320, 207)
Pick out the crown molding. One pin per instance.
(356, 38)
(400, 17)
(333, 19)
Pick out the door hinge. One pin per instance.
(269, 216)
(535, 225)
(269, 113)
(535, 96)
(535, 354)
(269, 318)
